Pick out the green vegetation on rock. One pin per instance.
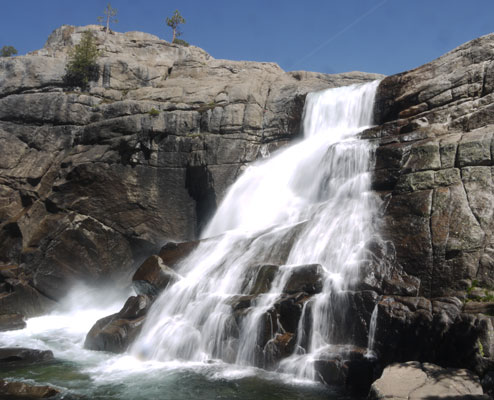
(8, 51)
(82, 67)
(153, 112)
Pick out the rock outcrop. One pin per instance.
(413, 380)
(93, 183)
(433, 168)
(23, 390)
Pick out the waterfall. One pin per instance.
(307, 209)
(372, 332)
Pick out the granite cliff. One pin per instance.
(92, 182)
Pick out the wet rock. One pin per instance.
(264, 276)
(23, 356)
(413, 380)
(171, 253)
(281, 346)
(346, 366)
(304, 278)
(289, 310)
(153, 276)
(116, 332)
(241, 302)
(10, 322)
(23, 390)
(382, 274)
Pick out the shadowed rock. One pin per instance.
(10, 322)
(23, 390)
(22, 356)
(153, 276)
(116, 332)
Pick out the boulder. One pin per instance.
(429, 330)
(11, 356)
(10, 322)
(116, 332)
(262, 280)
(414, 380)
(171, 252)
(153, 276)
(281, 346)
(346, 366)
(304, 278)
(23, 390)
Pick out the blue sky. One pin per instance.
(384, 36)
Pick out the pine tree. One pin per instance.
(82, 67)
(7, 51)
(174, 23)
(110, 14)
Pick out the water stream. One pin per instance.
(314, 195)
(307, 204)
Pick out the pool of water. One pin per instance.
(85, 374)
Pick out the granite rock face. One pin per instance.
(92, 183)
(434, 168)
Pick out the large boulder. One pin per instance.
(10, 322)
(347, 366)
(304, 278)
(413, 380)
(116, 332)
(21, 356)
(23, 390)
(153, 276)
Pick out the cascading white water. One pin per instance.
(315, 197)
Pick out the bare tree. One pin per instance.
(110, 14)
(174, 22)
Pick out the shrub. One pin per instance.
(7, 51)
(81, 67)
(181, 42)
(153, 112)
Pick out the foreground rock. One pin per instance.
(22, 356)
(153, 276)
(22, 390)
(11, 322)
(347, 366)
(413, 380)
(116, 332)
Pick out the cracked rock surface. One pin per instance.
(434, 168)
(92, 183)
